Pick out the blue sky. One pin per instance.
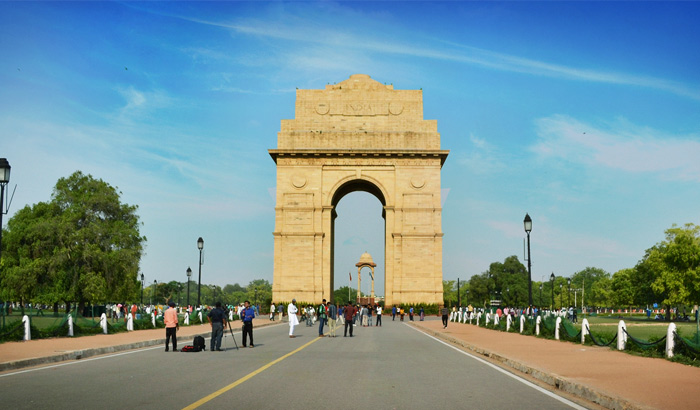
(586, 115)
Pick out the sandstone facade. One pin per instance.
(358, 135)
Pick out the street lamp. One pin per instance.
(467, 297)
(4, 179)
(551, 279)
(200, 246)
(568, 296)
(189, 275)
(155, 283)
(528, 228)
(540, 295)
(142, 289)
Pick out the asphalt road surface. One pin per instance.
(392, 367)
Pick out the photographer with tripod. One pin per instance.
(217, 319)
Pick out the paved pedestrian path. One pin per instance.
(18, 355)
(610, 378)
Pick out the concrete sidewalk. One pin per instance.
(18, 355)
(612, 379)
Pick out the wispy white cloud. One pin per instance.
(482, 158)
(302, 30)
(622, 146)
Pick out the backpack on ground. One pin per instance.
(187, 349)
(199, 344)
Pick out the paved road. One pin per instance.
(392, 367)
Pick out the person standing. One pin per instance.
(332, 312)
(292, 317)
(422, 314)
(393, 313)
(349, 313)
(171, 326)
(280, 309)
(410, 314)
(217, 320)
(322, 316)
(445, 311)
(272, 311)
(247, 317)
(379, 316)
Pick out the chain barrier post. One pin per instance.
(584, 330)
(556, 329)
(621, 335)
(670, 340)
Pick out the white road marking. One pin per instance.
(518, 378)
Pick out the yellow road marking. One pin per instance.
(244, 378)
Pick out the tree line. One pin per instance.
(668, 275)
(84, 246)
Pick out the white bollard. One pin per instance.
(70, 325)
(27, 328)
(556, 329)
(230, 315)
(509, 321)
(621, 335)
(478, 316)
(488, 318)
(200, 317)
(103, 323)
(538, 322)
(130, 323)
(495, 319)
(669, 340)
(522, 323)
(584, 330)
(153, 319)
(187, 318)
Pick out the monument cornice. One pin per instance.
(377, 153)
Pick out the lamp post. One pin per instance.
(528, 228)
(200, 246)
(467, 296)
(142, 289)
(551, 279)
(189, 275)
(155, 283)
(540, 295)
(4, 179)
(508, 292)
(568, 296)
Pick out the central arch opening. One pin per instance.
(358, 226)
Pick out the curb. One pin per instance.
(557, 382)
(85, 353)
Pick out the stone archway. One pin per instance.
(358, 135)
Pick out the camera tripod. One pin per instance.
(232, 336)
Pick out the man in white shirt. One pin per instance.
(292, 317)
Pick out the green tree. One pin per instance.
(479, 289)
(623, 288)
(340, 295)
(449, 292)
(90, 249)
(675, 264)
(259, 291)
(595, 281)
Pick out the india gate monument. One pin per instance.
(358, 135)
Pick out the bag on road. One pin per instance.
(199, 344)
